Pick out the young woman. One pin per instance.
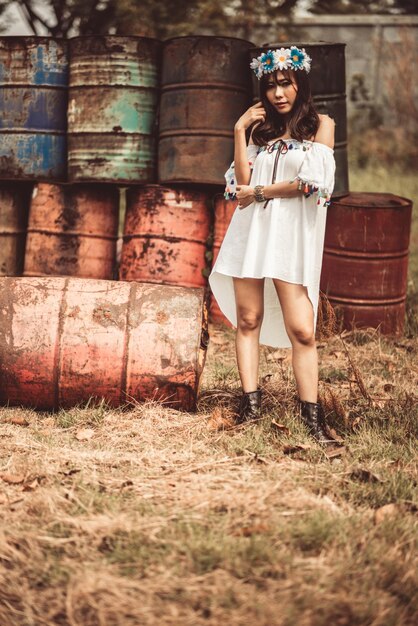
(266, 276)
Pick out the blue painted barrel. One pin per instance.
(33, 105)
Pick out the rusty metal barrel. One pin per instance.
(205, 87)
(72, 231)
(327, 80)
(66, 340)
(113, 97)
(14, 209)
(33, 106)
(365, 263)
(166, 236)
(224, 210)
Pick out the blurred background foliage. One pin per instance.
(177, 17)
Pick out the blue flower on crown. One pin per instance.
(268, 61)
(298, 58)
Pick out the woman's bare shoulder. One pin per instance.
(325, 120)
(326, 129)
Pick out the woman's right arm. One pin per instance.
(255, 114)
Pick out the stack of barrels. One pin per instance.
(84, 120)
(103, 131)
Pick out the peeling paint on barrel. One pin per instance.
(14, 208)
(165, 236)
(63, 341)
(33, 102)
(112, 110)
(72, 231)
(365, 263)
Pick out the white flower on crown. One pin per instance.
(257, 66)
(282, 58)
(306, 61)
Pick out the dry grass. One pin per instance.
(148, 516)
(151, 516)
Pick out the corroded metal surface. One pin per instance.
(327, 80)
(65, 340)
(33, 105)
(72, 231)
(14, 208)
(165, 237)
(206, 86)
(113, 97)
(365, 262)
(224, 210)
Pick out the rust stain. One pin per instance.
(161, 317)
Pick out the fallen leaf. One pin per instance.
(334, 435)
(221, 418)
(281, 428)
(248, 531)
(32, 485)
(71, 471)
(337, 353)
(256, 457)
(385, 512)
(295, 448)
(335, 451)
(18, 420)
(12, 479)
(364, 475)
(85, 433)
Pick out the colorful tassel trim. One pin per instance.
(310, 188)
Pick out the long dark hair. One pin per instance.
(302, 121)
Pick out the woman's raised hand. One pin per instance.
(245, 196)
(255, 114)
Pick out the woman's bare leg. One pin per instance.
(249, 298)
(298, 318)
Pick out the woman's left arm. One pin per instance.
(285, 189)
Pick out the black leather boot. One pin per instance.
(312, 415)
(249, 407)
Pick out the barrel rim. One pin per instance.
(34, 38)
(206, 37)
(144, 187)
(284, 44)
(346, 202)
(134, 37)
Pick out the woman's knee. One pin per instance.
(302, 335)
(249, 320)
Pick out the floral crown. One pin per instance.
(292, 58)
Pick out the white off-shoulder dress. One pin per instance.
(284, 239)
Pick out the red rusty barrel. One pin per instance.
(65, 340)
(206, 86)
(224, 210)
(14, 208)
(365, 264)
(165, 236)
(72, 231)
